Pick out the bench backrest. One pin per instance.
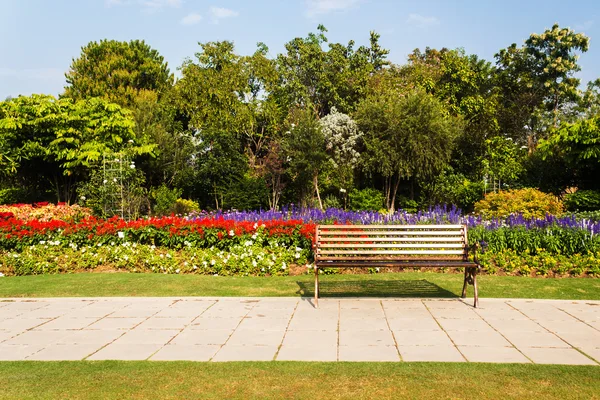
(391, 242)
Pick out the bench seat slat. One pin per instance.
(388, 233)
(392, 239)
(391, 245)
(410, 264)
(425, 227)
(391, 252)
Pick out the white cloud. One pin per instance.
(219, 13)
(422, 21)
(320, 7)
(191, 19)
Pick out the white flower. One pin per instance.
(231, 233)
(297, 256)
(121, 235)
(195, 268)
(185, 264)
(82, 198)
(342, 190)
(212, 262)
(42, 242)
(114, 179)
(254, 264)
(298, 249)
(168, 255)
(283, 266)
(1, 274)
(105, 181)
(177, 270)
(248, 243)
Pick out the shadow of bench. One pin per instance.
(375, 288)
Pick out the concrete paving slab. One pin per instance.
(90, 337)
(65, 352)
(307, 339)
(316, 324)
(166, 323)
(430, 353)
(557, 356)
(108, 324)
(535, 339)
(63, 323)
(181, 352)
(15, 352)
(246, 353)
(33, 338)
(366, 338)
(413, 324)
(493, 354)
(422, 338)
(368, 353)
(144, 336)
(464, 325)
(363, 324)
(291, 328)
(119, 351)
(203, 323)
(202, 337)
(310, 353)
(258, 338)
(475, 338)
(516, 325)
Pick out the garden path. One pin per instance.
(342, 329)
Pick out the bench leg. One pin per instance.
(316, 287)
(464, 292)
(475, 294)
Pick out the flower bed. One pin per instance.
(245, 243)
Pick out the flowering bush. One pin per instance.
(531, 203)
(244, 259)
(46, 212)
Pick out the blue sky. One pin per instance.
(39, 38)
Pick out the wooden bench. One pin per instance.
(371, 246)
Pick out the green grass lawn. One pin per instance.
(405, 284)
(294, 380)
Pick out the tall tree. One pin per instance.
(117, 71)
(537, 81)
(406, 137)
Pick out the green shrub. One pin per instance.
(184, 206)
(366, 199)
(531, 203)
(331, 201)
(583, 200)
(13, 195)
(165, 200)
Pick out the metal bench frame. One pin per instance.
(410, 246)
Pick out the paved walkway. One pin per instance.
(228, 329)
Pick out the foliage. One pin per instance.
(185, 206)
(12, 195)
(531, 203)
(165, 200)
(583, 200)
(117, 71)
(119, 192)
(45, 212)
(406, 137)
(240, 259)
(366, 199)
(542, 263)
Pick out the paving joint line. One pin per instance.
(573, 347)
(286, 331)
(234, 330)
(390, 328)
(578, 319)
(443, 330)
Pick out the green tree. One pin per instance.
(304, 148)
(537, 82)
(117, 71)
(406, 137)
(58, 140)
(311, 76)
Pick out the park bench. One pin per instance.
(410, 246)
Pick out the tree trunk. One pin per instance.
(316, 184)
(393, 200)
